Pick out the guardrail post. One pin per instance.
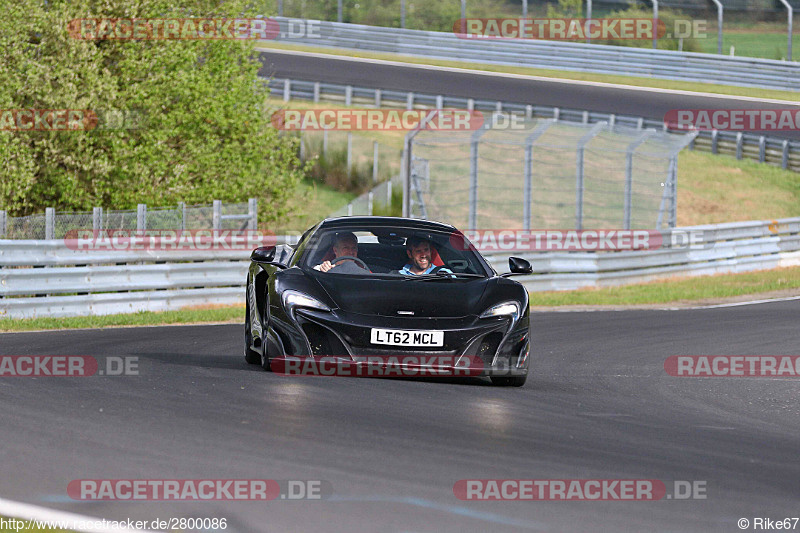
(673, 188)
(612, 120)
(739, 138)
(141, 217)
(287, 90)
(252, 210)
(348, 95)
(49, 223)
(556, 113)
(585, 117)
(579, 171)
(470, 104)
(374, 161)
(785, 155)
(377, 98)
(349, 151)
(762, 149)
(439, 101)
(410, 100)
(3, 223)
(528, 111)
(640, 123)
(714, 140)
(97, 219)
(316, 92)
(499, 107)
(216, 215)
(629, 177)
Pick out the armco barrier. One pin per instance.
(602, 59)
(71, 283)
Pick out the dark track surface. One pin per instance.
(619, 100)
(598, 405)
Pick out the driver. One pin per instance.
(346, 244)
(419, 252)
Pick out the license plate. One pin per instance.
(399, 337)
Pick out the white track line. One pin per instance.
(532, 78)
(25, 511)
(751, 302)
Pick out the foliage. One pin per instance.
(202, 131)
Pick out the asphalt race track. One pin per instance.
(605, 99)
(599, 405)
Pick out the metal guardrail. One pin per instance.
(98, 286)
(601, 59)
(772, 150)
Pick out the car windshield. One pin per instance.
(384, 252)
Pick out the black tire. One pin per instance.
(513, 381)
(250, 355)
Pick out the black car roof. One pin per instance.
(413, 223)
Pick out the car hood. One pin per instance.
(445, 298)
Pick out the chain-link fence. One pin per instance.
(544, 174)
(56, 225)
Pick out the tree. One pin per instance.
(196, 125)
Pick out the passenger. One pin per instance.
(420, 254)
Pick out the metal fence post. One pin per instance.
(3, 223)
(339, 11)
(182, 209)
(97, 219)
(405, 169)
(49, 223)
(739, 139)
(378, 98)
(349, 152)
(439, 101)
(280, 8)
(470, 104)
(402, 13)
(216, 216)
(348, 95)
(628, 203)
(588, 17)
(350, 209)
(655, 24)
(324, 142)
(473, 171)
(579, 171)
(524, 8)
(410, 100)
(141, 217)
(714, 139)
(316, 92)
(369, 203)
(287, 90)
(389, 193)
(789, 17)
(785, 155)
(673, 189)
(252, 210)
(529, 140)
(719, 25)
(762, 149)
(375, 161)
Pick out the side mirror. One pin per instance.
(519, 265)
(263, 254)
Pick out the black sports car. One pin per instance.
(410, 293)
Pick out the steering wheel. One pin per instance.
(356, 260)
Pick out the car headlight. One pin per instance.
(509, 309)
(294, 299)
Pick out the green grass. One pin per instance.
(766, 45)
(561, 74)
(183, 316)
(677, 290)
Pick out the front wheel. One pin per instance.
(513, 381)
(250, 355)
